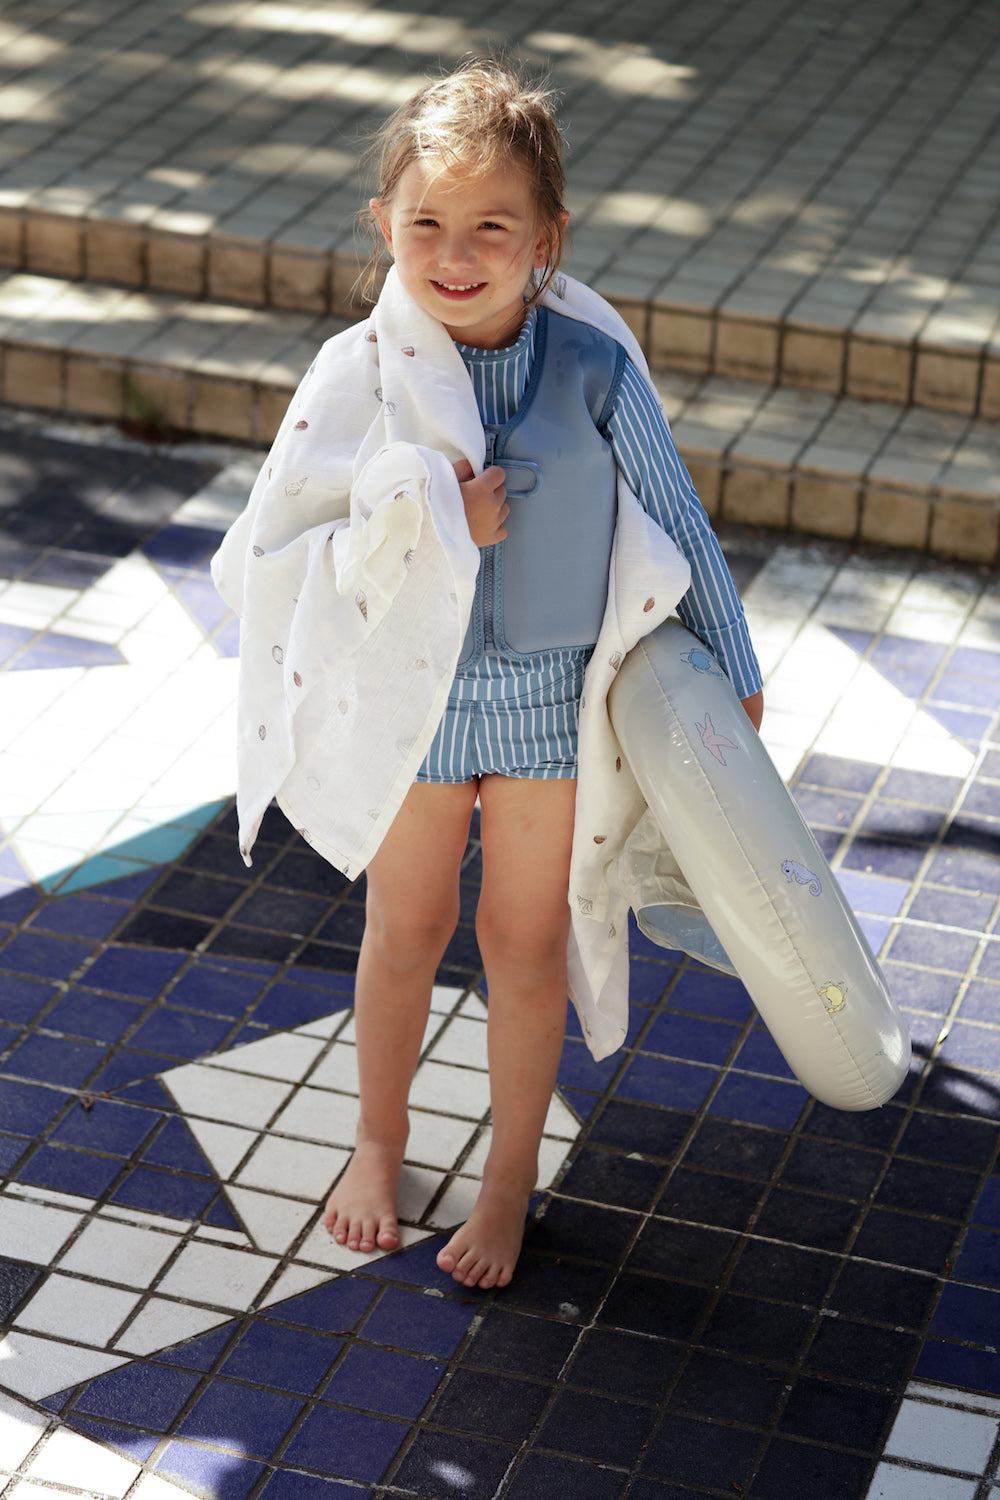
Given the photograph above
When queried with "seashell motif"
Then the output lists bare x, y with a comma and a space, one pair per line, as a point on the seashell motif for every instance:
294, 486
600, 838
408, 349
312, 782
618, 762
362, 603
372, 336
418, 663
408, 557
390, 408
278, 654
378, 393
373, 814
296, 678
559, 286
585, 904
612, 931
257, 551
269, 473
262, 731
616, 660
453, 597
406, 743
301, 426
648, 605
343, 705
303, 833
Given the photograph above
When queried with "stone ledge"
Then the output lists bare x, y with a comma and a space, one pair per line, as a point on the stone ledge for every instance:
865, 357
804, 461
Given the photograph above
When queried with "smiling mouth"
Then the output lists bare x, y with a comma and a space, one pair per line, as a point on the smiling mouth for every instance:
457, 289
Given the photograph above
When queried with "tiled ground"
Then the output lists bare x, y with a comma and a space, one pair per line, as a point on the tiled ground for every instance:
727, 1288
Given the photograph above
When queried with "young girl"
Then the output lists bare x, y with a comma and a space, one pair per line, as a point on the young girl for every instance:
470, 207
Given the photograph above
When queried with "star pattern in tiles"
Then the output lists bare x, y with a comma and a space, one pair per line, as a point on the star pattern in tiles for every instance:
275, 1120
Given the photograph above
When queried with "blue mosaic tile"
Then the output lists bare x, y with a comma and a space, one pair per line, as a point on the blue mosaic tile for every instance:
623, 1364
335, 1307
969, 1369
46, 957
902, 821
345, 1443
396, 1385
872, 894
987, 1206
648, 978
227, 992
51, 1060
836, 771
180, 546
759, 1101
825, 1411
145, 1394
876, 930
58, 650
288, 1358
647, 1305
760, 1053
582, 1104
251, 1422
952, 908
221, 1216
80, 916
421, 1324
150, 1091
27, 1108
967, 1313
880, 857
22, 999
540, 1477
17, 901
131, 886
606, 1177
700, 1453
884, 1294
577, 1067
972, 1046
202, 602
17, 1279
220, 1476
963, 724
687, 1037
175, 1146
730, 1391
164, 1193
12, 1148
178, 1034
128, 1067
290, 1005
592, 1427
227, 639
69, 1171
800, 1468
919, 989
83, 1013
954, 1089
989, 963
831, 809
934, 948
655, 1080
449, 1466
286, 1485
923, 788
708, 993
979, 1257
199, 1353
133, 971
638, 1128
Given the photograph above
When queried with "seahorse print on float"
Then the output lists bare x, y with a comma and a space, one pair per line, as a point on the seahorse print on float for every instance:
792, 870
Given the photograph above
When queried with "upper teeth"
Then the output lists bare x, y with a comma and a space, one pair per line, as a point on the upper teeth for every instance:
455, 287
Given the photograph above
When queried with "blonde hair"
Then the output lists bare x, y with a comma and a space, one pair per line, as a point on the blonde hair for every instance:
482, 115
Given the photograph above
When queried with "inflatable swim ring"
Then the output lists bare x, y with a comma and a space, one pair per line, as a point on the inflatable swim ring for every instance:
755, 894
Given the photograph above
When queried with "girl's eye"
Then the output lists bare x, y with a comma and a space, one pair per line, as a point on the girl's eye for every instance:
422, 222
490, 225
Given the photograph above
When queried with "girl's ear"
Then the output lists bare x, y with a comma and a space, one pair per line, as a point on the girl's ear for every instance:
382, 220
544, 247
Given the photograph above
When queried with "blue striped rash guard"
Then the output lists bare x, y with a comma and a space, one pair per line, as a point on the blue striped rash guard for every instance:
645, 453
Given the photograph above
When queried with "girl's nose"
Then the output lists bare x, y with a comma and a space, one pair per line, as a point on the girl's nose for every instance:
456, 252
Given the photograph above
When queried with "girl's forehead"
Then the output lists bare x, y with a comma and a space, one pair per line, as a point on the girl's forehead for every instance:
426, 183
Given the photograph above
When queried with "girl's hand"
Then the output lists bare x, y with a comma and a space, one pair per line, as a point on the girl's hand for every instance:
754, 706
485, 500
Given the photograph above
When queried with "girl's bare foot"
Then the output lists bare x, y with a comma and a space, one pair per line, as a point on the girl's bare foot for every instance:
484, 1251
361, 1211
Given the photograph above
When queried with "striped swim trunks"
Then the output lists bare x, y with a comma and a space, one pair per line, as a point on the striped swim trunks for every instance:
515, 723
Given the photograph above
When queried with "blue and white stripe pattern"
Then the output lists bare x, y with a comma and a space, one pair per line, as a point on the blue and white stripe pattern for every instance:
522, 719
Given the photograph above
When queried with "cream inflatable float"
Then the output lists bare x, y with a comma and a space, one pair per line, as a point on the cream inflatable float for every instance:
751, 891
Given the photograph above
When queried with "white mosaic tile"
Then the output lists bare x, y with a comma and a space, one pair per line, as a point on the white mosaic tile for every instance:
224, 1145
296, 1167
221, 1277
20, 1430
286, 1056
215, 1094
130, 1255
69, 1458
315, 1114
436, 1140
461, 1042
939, 1435
161, 1323
68, 1307
30, 1231
274, 1223
893, 1482
467, 1090
36, 1367
338, 1070
417, 1186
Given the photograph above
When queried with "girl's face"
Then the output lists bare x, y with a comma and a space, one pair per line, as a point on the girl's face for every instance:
464, 247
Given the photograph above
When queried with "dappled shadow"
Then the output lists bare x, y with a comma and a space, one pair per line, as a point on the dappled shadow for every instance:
800, 155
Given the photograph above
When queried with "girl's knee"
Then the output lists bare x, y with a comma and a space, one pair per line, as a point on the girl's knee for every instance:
518, 942
404, 939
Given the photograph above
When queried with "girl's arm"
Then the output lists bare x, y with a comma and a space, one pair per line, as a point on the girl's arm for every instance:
644, 451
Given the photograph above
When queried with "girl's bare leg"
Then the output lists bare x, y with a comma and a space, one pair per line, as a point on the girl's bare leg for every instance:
523, 926
411, 911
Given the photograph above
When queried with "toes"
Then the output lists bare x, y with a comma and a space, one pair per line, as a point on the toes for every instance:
505, 1277
478, 1269
368, 1234
446, 1260
388, 1234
